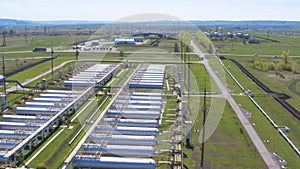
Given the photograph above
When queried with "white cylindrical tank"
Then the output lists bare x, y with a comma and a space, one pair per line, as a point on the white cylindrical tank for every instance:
120, 130
34, 110
50, 100
17, 126
131, 122
4, 144
86, 161
139, 107
20, 118
134, 114
123, 139
119, 150
13, 134
39, 104
58, 96
59, 92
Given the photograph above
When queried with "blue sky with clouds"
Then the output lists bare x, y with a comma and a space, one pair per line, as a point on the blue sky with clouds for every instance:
104, 10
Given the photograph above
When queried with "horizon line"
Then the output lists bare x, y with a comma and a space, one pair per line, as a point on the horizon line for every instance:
88, 20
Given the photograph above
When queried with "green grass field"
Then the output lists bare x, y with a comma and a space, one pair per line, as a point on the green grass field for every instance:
200, 75
270, 79
275, 111
21, 43
267, 132
265, 47
32, 72
228, 147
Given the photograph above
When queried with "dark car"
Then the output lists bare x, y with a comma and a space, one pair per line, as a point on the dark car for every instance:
39, 50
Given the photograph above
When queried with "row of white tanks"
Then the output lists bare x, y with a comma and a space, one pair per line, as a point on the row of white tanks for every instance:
16, 127
126, 136
90, 76
148, 76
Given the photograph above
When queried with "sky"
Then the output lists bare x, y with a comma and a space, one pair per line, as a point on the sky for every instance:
113, 10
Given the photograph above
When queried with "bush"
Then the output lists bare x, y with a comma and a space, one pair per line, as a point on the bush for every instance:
266, 66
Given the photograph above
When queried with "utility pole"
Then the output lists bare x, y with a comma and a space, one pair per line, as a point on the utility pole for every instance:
181, 53
204, 110
189, 82
52, 63
4, 38
3, 71
3, 97
77, 52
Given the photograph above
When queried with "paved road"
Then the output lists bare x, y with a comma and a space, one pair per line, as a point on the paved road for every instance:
261, 148
27, 81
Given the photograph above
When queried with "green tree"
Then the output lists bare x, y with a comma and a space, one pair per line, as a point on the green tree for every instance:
279, 66
185, 37
294, 68
285, 55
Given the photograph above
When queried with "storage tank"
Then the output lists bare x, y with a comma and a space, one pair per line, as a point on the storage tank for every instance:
141, 80
57, 100
20, 118
121, 130
48, 105
86, 161
146, 98
139, 107
39, 104
131, 122
118, 150
34, 110
85, 77
146, 85
59, 92
10, 134
154, 78
134, 114
123, 139
18, 126
143, 102
57, 96
6, 144
78, 83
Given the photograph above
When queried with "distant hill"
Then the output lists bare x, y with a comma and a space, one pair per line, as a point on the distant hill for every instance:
232, 24
267, 24
15, 22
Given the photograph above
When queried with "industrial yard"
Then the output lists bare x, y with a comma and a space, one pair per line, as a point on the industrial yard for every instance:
147, 95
